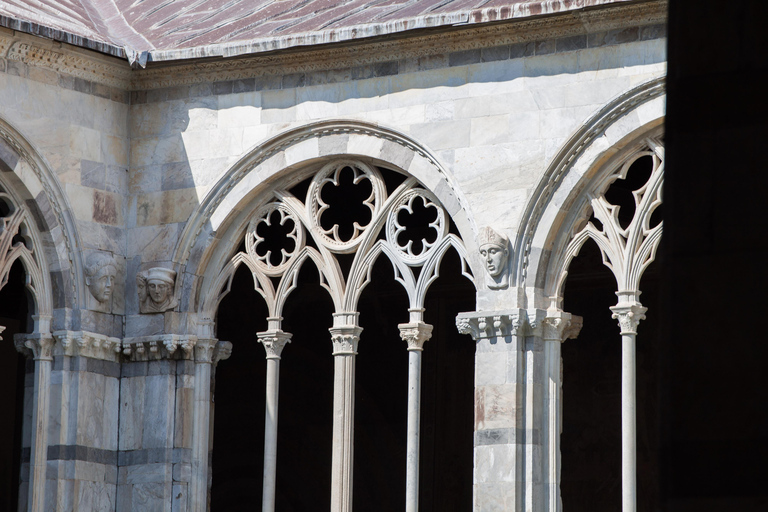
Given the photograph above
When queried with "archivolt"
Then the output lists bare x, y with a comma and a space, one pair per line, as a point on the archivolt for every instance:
30, 183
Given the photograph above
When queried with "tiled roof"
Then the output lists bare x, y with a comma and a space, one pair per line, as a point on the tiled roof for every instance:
177, 29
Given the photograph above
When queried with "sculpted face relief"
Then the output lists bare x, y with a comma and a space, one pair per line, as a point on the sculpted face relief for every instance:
495, 253
100, 273
155, 290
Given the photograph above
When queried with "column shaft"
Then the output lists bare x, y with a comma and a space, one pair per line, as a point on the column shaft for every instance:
628, 425
414, 426
343, 432
39, 448
270, 435
201, 426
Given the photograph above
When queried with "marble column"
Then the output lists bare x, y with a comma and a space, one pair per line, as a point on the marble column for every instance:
208, 351
557, 327
628, 312
274, 340
415, 334
501, 437
345, 335
40, 346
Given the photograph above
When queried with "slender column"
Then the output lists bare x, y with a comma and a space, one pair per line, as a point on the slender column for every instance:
345, 335
273, 340
629, 313
415, 333
41, 347
557, 327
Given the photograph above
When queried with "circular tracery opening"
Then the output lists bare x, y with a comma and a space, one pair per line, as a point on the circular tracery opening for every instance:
346, 200
418, 226
277, 239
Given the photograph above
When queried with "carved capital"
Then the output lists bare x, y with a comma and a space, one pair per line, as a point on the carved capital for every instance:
204, 350
345, 339
560, 326
629, 316
274, 341
415, 334
222, 351
491, 324
2, 328
37, 346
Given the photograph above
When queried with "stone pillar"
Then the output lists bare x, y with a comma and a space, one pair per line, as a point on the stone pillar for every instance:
501, 437
415, 333
628, 312
557, 326
345, 335
274, 340
40, 347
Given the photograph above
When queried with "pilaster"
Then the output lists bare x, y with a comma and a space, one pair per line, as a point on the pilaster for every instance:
500, 434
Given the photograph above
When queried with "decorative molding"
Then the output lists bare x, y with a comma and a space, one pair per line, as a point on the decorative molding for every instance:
492, 324
162, 346
629, 316
274, 341
65, 59
38, 346
415, 334
361, 53
87, 344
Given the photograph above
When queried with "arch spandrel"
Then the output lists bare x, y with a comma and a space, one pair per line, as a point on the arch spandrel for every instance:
207, 241
558, 202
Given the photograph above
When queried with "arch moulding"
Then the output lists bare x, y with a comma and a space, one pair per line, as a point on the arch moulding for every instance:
213, 230
558, 201
33, 186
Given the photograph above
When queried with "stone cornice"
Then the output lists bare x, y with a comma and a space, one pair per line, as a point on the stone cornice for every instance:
361, 54
163, 346
490, 324
66, 59
106, 70
87, 344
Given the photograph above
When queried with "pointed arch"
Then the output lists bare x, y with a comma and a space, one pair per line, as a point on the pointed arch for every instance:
560, 202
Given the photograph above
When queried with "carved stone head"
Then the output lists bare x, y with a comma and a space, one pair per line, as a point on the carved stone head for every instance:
494, 248
100, 273
155, 290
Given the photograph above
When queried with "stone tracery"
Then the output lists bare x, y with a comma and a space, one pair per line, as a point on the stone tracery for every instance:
407, 224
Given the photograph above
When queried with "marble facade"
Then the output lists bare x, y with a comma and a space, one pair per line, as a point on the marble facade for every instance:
136, 185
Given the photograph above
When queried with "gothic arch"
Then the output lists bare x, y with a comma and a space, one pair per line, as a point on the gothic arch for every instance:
207, 243
30, 184
560, 200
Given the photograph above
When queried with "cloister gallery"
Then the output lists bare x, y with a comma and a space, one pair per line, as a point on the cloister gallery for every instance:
377, 255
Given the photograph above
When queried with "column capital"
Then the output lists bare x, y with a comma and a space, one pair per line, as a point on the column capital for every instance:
221, 351
38, 345
629, 316
490, 324
204, 349
345, 339
560, 326
274, 340
415, 334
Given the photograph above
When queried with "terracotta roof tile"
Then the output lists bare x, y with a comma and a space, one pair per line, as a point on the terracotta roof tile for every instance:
170, 29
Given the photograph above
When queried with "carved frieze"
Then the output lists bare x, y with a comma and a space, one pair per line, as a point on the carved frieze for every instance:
492, 324
162, 346
87, 344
